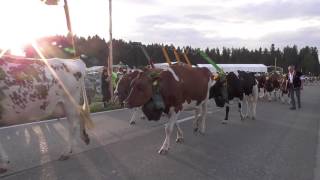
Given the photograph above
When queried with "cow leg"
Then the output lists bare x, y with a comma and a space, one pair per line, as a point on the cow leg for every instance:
83, 133
168, 130
261, 93
254, 108
227, 115
240, 109
179, 133
196, 120
133, 117
278, 94
282, 98
254, 101
288, 99
269, 96
72, 117
4, 160
203, 117
248, 101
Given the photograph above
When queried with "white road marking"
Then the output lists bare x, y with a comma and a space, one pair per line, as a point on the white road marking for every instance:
97, 113
56, 119
192, 117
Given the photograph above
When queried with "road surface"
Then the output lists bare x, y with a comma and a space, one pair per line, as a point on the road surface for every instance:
280, 144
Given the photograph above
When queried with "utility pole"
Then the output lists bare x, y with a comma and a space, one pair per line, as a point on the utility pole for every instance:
110, 58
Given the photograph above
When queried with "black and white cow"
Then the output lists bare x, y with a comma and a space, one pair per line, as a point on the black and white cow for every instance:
243, 86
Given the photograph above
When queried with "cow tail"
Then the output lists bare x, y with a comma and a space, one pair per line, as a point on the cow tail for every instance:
85, 109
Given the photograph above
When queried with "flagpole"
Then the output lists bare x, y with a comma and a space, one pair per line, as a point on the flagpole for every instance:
275, 64
110, 58
70, 33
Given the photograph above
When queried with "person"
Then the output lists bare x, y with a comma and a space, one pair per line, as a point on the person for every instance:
105, 86
295, 86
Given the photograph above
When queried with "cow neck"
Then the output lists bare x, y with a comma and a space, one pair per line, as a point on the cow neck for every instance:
155, 83
226, 86
157, 98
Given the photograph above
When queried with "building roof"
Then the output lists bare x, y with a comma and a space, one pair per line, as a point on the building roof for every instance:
227, 67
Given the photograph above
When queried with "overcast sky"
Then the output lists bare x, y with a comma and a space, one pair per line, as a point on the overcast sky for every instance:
199, 23
231, 23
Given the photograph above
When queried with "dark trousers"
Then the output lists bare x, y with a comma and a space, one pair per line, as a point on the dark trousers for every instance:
296, 91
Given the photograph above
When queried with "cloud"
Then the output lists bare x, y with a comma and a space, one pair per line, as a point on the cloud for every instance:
230, 23
150, 2
275, 10
157, 19
303, 37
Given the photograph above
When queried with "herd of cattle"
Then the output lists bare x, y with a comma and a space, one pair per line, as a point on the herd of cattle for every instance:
33, 89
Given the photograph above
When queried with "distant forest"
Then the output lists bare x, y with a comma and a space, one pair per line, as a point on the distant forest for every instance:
95, 50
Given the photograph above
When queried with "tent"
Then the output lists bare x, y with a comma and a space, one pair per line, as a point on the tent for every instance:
261, 68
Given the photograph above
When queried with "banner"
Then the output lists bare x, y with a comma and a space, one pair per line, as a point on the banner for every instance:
209, 60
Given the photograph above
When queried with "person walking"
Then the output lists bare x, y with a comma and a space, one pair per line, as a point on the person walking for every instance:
105, 86
294, 85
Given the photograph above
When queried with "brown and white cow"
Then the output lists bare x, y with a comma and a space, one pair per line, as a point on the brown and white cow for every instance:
261, 78
31, 91
123, 89
179, 87
272, 86
284, 90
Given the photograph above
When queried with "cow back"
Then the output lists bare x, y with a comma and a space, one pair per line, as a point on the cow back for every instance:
192, 85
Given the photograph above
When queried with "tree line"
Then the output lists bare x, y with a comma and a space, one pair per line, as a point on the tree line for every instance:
94, 51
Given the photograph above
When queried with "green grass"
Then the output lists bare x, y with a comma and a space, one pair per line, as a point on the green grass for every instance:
98, 107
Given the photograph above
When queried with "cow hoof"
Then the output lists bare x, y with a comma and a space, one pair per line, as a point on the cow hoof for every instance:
132, 123
224, 122
142, 117
86, 138
253, 118
3, 170
179, 140
202, 133
163, 151
63, 157
195, 130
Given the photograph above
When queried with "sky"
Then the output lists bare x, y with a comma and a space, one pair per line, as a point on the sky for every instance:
199, 23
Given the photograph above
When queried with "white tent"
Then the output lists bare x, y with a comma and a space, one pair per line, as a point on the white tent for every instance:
235, 67
227, 67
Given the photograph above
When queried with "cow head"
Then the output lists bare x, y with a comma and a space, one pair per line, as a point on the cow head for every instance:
123, 87
219, 91
142, 89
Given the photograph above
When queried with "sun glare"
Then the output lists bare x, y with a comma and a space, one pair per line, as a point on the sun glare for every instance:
24, 21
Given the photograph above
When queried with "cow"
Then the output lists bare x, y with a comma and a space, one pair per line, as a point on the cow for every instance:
176, 88
272, 86
123, 89
284, 90
241, 87
34, 89
261, 85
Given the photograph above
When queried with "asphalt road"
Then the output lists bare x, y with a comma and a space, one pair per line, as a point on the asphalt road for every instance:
280, 144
